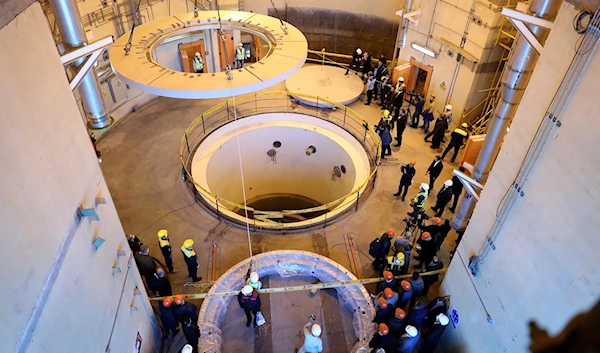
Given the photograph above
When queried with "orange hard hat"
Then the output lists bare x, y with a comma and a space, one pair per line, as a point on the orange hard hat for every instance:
437, 220
400, 314
382, 303
391, 232
167, 301
426, 236
388, 275
384, 329
433, 95
413, 162
179, 299
406, 285
388, 293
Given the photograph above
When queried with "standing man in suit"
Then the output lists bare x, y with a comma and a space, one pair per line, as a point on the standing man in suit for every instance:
434, 170
380, 71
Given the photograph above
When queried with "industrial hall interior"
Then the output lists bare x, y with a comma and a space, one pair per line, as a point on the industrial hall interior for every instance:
302, 176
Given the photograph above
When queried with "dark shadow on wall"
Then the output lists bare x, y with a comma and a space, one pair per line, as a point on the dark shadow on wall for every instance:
341, 31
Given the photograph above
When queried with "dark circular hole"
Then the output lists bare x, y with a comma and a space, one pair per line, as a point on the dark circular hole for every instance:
343, 168
276, 144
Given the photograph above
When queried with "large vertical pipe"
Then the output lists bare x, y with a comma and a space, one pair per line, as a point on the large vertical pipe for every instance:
402, 32
71, 30
515, 78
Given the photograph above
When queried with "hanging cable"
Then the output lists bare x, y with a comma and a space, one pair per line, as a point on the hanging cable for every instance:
128, 45
195, 8
283, 25
222, 35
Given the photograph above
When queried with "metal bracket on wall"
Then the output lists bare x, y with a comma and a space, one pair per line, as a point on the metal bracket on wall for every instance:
518, 19
88, 212
469, 183
410, 16
92, 52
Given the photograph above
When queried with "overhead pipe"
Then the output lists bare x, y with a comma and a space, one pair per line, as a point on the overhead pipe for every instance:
515, 78
71, 30
402, 31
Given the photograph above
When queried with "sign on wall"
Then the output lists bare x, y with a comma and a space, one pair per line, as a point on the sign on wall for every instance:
443, 86
454, 318
137, 348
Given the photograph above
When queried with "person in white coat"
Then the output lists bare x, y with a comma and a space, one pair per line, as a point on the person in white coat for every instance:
312, 342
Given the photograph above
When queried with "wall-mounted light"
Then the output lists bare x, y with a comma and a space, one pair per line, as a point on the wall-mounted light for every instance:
423, 50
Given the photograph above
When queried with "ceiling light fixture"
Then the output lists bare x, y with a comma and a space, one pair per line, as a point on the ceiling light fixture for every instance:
423, 50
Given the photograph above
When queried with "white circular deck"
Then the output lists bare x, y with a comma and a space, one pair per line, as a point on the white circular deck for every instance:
286, 54
329, 82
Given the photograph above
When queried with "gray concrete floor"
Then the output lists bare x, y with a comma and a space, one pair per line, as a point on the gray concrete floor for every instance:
142, 168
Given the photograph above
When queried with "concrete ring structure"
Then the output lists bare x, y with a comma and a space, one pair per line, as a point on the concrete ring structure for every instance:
325, 81
286, 263
286, 54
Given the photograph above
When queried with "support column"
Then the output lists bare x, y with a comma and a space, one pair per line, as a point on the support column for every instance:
402, 32
71, 30
515, 78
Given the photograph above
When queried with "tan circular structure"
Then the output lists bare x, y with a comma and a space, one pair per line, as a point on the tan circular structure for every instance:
329, 82
285, 55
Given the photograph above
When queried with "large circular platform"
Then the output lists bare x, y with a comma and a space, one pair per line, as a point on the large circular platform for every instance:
287, 53
329, 82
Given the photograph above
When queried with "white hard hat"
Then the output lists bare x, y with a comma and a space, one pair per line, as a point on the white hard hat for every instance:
241, 44
448, 107
411, 331
187, 349
425, 187
448, 183
253, 277
247, 290
442, 319
197, 54
401, 79
359, 51
316, 330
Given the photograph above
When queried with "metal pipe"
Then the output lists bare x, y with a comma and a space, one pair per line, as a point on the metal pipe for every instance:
69, 24
402, 32
515, 78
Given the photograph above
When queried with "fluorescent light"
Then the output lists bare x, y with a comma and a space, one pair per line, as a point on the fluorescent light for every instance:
423, 50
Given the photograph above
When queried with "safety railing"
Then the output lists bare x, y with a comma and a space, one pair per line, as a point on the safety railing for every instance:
277, 102
322, 57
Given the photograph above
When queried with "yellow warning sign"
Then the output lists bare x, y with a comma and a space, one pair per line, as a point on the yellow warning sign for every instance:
443, 85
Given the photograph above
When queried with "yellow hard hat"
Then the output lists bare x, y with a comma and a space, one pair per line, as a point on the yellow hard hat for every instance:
386, 112
464, 125
162, 233
188, 243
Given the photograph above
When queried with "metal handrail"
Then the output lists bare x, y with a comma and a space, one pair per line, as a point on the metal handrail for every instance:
253, 104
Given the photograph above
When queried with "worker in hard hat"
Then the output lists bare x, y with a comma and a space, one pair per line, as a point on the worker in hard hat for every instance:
249, 300
428, 111
434, 265
312, 340
167, 317
406, 251
134, 243
240, 55
388, 282
198, 63
405, 294
144, 261
182, 309
443, 198
447, 114
395, 263
355, 63
437, 133
386, 140
165, 248
191, 259
408, 172
159, 284
380, 247
397, 323
457, 138
187, 349
408, 341
434, 170
419, 200
399, 92
383, 311
419, 103
431, 335
383, 339
253, 281
433, 227
426, 249
389, 295
191, 333
434, 308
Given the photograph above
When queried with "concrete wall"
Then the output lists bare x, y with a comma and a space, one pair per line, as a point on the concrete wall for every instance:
55, 284
545, 267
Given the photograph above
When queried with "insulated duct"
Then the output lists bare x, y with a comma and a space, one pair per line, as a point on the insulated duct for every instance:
71, 30
515, 78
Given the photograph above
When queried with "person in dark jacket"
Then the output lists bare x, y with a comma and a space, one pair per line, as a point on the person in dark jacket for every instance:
417, 287
191, 333
167, 317
409, 340
419, 104
249, 300
355, 63
380, 72
405, 294
385, 244
366, 61
431, 335
386, 141
134, 243
384, 311
165, 248
457, 138
408, 172
145, 262
400, 126
407, 250
434, 228
443, 197
434, 308
434, 170
416, 316
427, 251
159, 284
388, 282
444, 230
183, 309
398, 99
457, 187
428, 280
383, 339
398, 323
191, 259
439, 129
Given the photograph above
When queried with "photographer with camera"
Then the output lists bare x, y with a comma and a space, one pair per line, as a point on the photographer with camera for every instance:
408, 172
426, 249
312, 341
